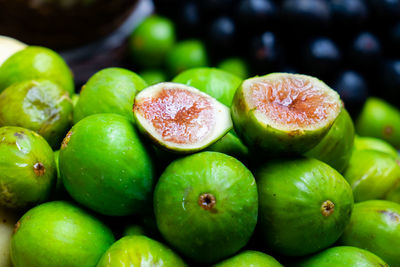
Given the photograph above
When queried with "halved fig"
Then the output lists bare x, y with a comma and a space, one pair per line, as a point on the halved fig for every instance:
180, 118
284, 113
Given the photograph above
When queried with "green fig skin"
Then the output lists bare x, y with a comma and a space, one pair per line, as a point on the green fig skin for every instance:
371, 143
231, 145
380, 120
139, 251
110, 90
264, 140
36, 62
375, 226
134, 229
217, 83
39, 105
343, 256
337, 145
186, 55
105, 166
27, 168
59, 234
151, 41
295, 205
236, 66
206, 206
75, 99
153, 76
372, 174
250, 258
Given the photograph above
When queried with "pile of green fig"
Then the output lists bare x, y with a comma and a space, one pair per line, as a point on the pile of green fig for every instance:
207, 169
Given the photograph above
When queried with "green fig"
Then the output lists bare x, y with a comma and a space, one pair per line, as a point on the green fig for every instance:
283, 113
343, 256
180, 118
186, 55
217, 83
139, 250
105, 166
372, 174
27, 168
150, 42
250, 258
8, 47
304, 205
371, 143
110, 90
381, 120
206, 206
36, 62
236, 66
375, 226
337, 145
39, 105
231, 145
153, 77
59, 234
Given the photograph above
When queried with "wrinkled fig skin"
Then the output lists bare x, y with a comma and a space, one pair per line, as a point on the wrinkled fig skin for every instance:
265, 141
27, 168
217, 83
250, 258
36, 62
375, 226
106, 146
8, 219
371, 143
139, 251
380, 120
343, 256
336, 147
39, 105
293, 219
372, 174
206, 206
110, 90
59, 234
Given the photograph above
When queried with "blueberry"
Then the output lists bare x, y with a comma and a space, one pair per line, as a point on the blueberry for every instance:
190, 20
366, 51
385, 9
349, 13
222, 34
352, 89
264, 52
390, 79
256, 13
321, 57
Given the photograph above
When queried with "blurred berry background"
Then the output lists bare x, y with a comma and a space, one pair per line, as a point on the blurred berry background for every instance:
352, 45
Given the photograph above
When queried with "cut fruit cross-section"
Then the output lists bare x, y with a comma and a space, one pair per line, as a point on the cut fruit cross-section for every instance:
284, 113
180, 118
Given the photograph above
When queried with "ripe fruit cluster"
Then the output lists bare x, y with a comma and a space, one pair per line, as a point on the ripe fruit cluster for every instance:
208, 169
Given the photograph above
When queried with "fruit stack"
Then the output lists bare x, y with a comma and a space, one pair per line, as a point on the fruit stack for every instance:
350, 44
208, 169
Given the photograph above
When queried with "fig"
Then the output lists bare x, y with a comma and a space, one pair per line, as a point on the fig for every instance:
151, 41
337, 145
250, 258
231, 145
375, 226
153, 77
75, 99
110, 90
27, 168
139, 250
343, 256
304, 205
236, 66
59, 234
206, 206
134, 229
186, 55
284, 113
105, 167
380, 120
38, 105
7, 220
180, 118
36, 62
372, 174
371, 143
8, 47
217, 83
